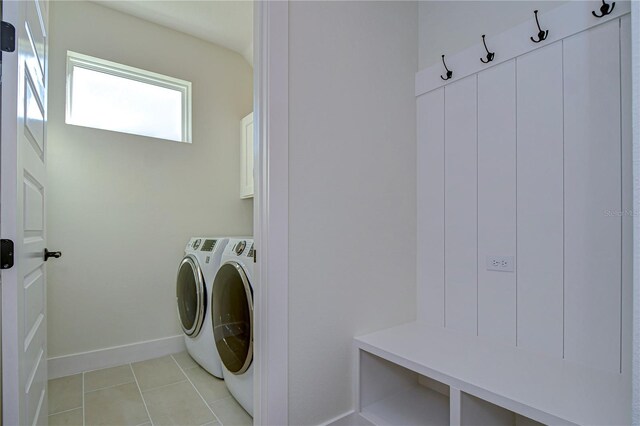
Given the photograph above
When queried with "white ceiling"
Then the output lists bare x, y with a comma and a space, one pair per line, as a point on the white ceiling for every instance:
226, 23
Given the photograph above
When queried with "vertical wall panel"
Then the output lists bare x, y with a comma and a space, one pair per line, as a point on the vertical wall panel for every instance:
461, 279
497, 200
592, 197
627, 192
430, 203
540, 200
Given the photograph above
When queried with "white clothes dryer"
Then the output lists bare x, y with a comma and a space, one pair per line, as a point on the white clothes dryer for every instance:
194, 283
232, 318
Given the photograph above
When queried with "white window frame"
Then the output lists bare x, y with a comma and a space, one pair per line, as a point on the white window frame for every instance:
79, 60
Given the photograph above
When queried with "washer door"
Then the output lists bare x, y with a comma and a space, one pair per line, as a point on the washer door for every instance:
232, 317
191, 295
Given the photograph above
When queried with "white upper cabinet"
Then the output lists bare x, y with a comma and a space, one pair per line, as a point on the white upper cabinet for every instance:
246, 157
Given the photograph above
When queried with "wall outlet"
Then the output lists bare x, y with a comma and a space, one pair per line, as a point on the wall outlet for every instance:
500, 263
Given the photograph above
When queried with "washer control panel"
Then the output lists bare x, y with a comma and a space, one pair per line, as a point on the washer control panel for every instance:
203, 244
208, 245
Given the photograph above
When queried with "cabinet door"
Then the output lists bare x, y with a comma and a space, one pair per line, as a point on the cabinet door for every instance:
246, 157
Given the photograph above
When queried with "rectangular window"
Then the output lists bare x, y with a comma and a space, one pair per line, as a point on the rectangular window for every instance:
110, 96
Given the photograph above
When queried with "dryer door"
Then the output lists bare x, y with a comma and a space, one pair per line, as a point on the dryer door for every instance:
190, 294
232, 317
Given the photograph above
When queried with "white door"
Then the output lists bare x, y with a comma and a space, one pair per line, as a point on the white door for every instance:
22, 214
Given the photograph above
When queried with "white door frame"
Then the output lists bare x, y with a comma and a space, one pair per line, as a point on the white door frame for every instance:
271, 210
635, 65
271, 126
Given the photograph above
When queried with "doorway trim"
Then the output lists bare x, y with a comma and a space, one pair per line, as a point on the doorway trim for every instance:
635, 74
271, 211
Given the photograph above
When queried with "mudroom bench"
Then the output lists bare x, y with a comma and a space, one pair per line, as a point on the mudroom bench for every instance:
415, 374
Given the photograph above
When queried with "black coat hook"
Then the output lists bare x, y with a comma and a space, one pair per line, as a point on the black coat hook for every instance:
490, 55
449, 72
604, 9
542, 35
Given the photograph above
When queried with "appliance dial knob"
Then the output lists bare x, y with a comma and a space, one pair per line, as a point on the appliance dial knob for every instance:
240, 247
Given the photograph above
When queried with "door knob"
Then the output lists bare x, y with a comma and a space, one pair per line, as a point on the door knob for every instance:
54, 254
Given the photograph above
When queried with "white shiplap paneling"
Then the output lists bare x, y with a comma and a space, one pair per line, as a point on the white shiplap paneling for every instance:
461, 278
540, 200
497, 200
430, 204
592, 197
572, 184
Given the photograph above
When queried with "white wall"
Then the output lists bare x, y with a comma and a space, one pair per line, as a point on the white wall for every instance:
122, 207
352, 178
447, 27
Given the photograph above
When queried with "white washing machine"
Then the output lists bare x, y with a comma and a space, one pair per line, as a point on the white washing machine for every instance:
232, 316
194, 285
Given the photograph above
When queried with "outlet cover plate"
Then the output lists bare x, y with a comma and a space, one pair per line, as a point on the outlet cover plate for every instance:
501, 263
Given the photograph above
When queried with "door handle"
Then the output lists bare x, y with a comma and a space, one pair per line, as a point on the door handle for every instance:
6, 254
54, 254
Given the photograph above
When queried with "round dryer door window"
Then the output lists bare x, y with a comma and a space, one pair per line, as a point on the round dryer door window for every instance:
190, 293
232, 317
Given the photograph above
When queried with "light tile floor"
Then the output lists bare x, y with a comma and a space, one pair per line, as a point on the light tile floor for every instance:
171, 390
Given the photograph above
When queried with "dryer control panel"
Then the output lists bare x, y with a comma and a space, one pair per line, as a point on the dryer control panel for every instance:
240, 247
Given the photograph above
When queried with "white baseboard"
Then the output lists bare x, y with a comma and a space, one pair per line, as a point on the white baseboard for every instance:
350, 418
117, 355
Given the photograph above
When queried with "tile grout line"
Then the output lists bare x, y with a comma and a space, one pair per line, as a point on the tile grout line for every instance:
165, 386
141, 395
63, 411
107, 387
108, 367
197, 391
